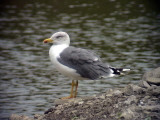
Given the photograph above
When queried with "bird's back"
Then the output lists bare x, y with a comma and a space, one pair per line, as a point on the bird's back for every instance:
85, 62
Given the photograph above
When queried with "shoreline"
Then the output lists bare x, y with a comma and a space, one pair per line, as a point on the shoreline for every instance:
133, 102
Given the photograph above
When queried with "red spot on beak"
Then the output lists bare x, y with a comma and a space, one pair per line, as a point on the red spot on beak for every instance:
45, 41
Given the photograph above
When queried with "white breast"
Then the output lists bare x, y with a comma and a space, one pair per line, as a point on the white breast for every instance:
54, 53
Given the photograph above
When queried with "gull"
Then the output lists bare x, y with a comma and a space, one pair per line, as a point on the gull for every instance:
77, 63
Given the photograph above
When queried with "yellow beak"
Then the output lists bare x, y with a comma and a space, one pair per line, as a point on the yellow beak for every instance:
48, 41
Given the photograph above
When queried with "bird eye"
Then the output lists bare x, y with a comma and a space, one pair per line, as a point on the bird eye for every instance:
59, 36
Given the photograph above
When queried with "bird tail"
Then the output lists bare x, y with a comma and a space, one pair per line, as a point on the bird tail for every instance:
118, 71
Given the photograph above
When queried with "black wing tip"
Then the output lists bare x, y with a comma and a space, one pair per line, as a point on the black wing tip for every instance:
118, 71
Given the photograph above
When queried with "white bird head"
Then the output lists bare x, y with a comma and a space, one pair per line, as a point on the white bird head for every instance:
58, 38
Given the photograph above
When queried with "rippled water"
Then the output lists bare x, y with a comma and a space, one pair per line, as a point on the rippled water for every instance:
123, 33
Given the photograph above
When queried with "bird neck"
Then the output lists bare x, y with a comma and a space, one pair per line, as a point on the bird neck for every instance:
57, 49
60, 46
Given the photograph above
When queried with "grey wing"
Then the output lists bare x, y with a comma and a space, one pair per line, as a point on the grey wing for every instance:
84, 62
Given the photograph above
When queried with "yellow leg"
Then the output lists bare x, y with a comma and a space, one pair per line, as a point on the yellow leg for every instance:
72, 91
75, 94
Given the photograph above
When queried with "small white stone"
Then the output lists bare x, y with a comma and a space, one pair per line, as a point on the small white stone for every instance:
80, 103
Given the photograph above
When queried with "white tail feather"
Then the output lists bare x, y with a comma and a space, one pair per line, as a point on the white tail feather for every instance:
126, 69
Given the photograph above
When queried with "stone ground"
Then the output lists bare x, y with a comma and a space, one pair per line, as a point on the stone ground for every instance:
134, 102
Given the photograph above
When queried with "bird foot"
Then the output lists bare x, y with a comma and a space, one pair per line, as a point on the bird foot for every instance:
68, 97
73, 93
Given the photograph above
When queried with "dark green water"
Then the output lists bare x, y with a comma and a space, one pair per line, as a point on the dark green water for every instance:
124, 33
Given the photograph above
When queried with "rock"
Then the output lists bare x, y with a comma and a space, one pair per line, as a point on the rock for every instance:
153, 108
19, 117
133, 102
144, 84
152, 77
127, 114
131, 99
154, 90
39, 117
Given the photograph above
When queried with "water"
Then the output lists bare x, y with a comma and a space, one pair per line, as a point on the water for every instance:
123, 33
